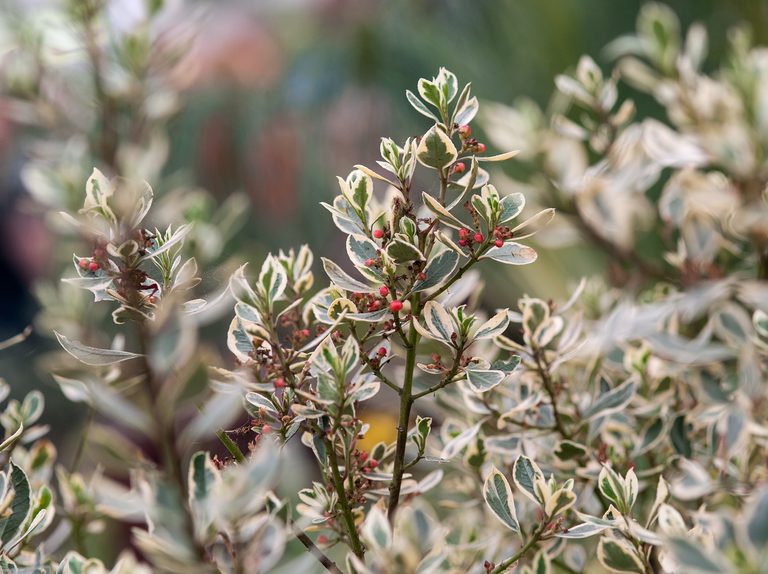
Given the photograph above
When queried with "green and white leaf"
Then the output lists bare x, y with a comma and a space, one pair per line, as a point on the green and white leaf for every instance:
401, 251
498, 496
692, 558
440, 267
467, 112
512, 205
91, 355
483, 380
14, 517
459, 442
441, 212
534, 224
437, 322
584, 530
612, 401
494, 326
618, 555
524, 473
499, 157
559, 502
511, 253
341, 279
436, 150
376, 529
419, 106
612, 487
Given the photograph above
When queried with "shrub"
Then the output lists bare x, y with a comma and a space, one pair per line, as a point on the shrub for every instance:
622, 430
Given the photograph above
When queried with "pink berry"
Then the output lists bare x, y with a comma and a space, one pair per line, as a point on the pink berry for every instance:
383, 290
499, 243
396, 306
382, 352
280, 383
481, 148
463, 233
378, 233
465, 131
373, 463
83, 263
368, 262
478, 237
459, 168
463, 242
93, 266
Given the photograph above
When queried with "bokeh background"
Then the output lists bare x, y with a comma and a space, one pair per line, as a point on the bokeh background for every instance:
286, 94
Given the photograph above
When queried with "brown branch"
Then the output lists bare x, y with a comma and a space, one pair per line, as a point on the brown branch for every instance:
327, 563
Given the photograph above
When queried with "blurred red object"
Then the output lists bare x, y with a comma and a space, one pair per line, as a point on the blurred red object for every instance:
235, 48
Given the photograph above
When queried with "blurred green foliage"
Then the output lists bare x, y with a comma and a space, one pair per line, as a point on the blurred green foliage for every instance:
303, 124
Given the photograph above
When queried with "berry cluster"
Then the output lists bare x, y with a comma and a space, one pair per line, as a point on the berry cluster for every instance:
469, 144
368, 302
97, 261
466, 237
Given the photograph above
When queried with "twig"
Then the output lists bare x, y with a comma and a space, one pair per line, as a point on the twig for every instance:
406, 402
231, 446
549, 386
535, 536
349, 519
329, 564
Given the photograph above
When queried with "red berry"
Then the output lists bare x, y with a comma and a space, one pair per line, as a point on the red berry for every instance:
93, 266
382, 352
378, 233
481, 148
396, 306
83, 263
280, 383
499, 243
463, 242
478, 237
363, 456
463, 233
383, 290
375, 305
459, 167
465, 131
368, 262
421, 276
305, 333
373, 463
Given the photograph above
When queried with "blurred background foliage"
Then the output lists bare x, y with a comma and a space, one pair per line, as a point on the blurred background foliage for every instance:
284, 95
297, 92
